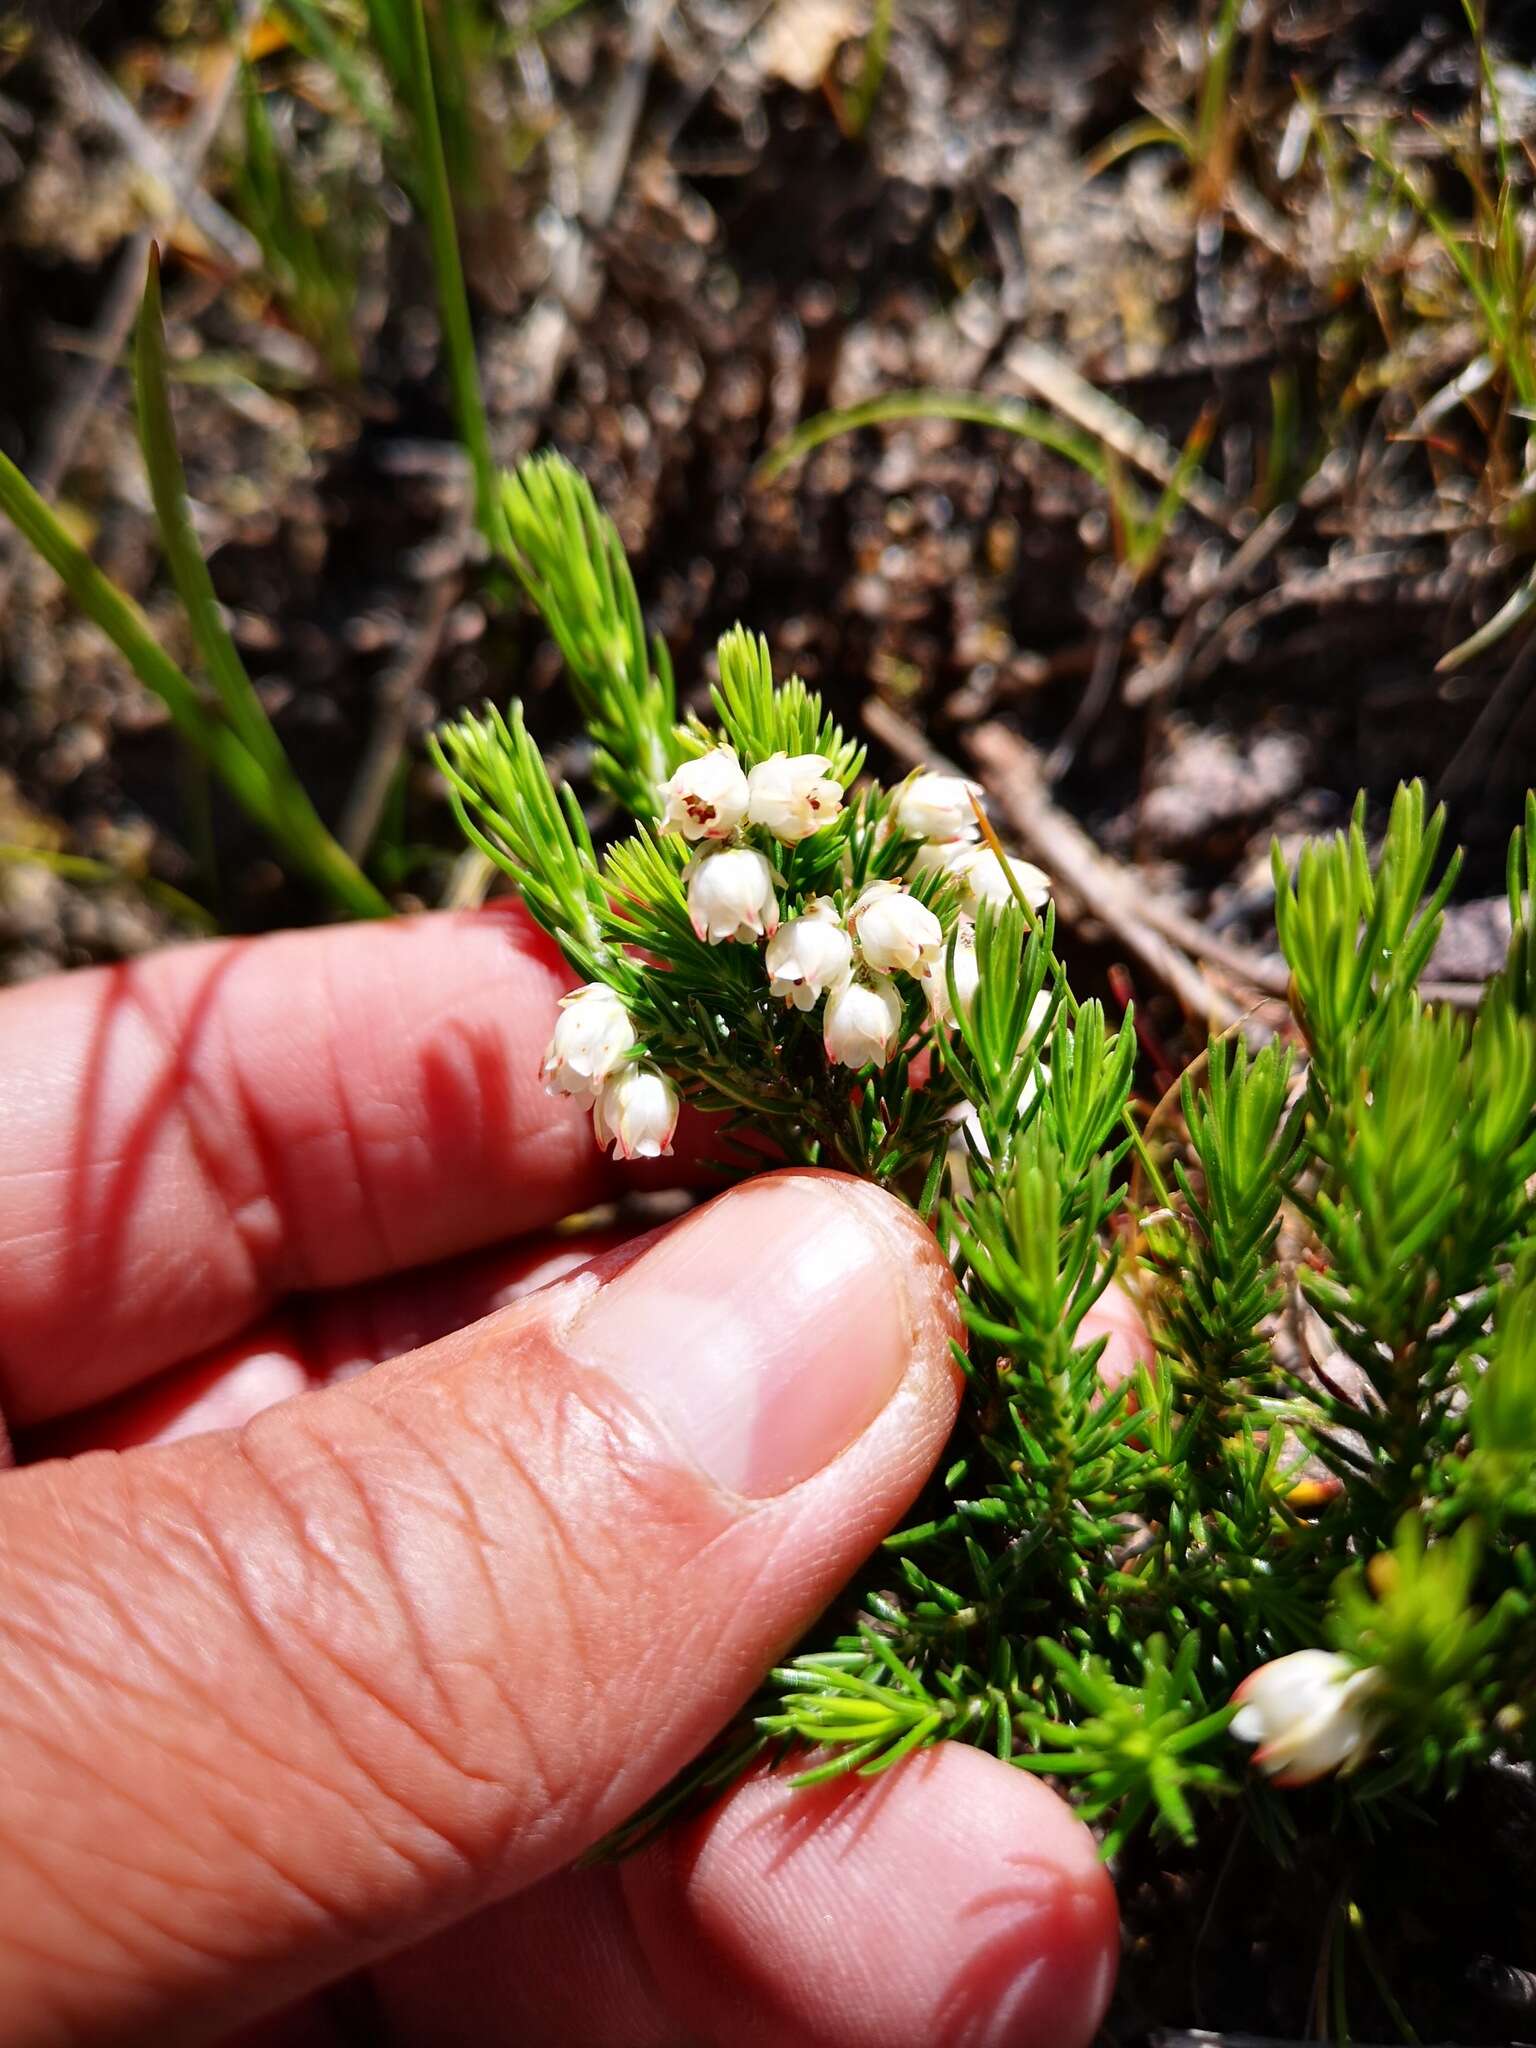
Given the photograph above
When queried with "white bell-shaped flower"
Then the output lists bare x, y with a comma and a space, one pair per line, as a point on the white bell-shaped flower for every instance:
592, 1035
636, 1113
941, 856
936, 807
985, 879
893, 930
792, 796
861, 1023
706, 798
730, 896
967, 975
809, 955
1309, 1713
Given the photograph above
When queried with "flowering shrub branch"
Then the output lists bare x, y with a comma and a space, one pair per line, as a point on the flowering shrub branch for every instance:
1334, 1531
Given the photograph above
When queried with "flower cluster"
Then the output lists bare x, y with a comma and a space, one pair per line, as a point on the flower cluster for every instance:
849, 956
634, 1107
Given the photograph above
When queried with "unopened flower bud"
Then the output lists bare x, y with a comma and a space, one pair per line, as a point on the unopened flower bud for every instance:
636, 1113
706, 798
730, 896
936, 807
861, 1024
809, 955
893, 930
1310, 1714
792, 796
967, 976
592, 1035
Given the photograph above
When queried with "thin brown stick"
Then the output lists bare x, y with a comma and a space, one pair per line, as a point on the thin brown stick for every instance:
1117, 894
1015, 776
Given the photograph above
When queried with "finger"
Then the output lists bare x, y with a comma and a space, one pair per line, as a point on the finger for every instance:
1127, 1344
315, 1342
1003, 1928
279, 1701
191, 1136
955, 1904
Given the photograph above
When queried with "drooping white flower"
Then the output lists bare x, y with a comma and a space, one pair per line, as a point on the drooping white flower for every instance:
706, 798
792, 795
1310, 1714
936, 807
592, 1035
809, 955
893, 930
730, 896
941, 856
861, 1023
636, 1113
967, 976
967, 1125
985, 879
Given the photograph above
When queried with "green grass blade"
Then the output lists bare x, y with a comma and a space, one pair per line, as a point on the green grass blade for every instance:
1011, 415
129, 631
184, 557
436, 198
312, 30
289, 815
877, 48
1504, 620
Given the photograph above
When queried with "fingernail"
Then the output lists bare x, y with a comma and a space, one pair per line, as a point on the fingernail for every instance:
765, 1333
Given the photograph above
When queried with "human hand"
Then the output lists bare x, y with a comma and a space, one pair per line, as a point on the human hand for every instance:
334, 1693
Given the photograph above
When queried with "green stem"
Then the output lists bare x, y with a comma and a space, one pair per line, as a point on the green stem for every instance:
127, 628
452, 297
298, 826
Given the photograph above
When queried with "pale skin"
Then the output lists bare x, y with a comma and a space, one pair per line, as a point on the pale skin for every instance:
313, 1676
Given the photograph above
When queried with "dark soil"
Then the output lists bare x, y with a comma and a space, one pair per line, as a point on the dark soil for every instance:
763, 263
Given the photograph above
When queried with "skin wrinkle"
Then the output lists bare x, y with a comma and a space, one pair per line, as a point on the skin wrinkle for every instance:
381, 1544
556, 1793
424, 1868
324, 1723
267, 1758
182, 1881
295, 1668
482, 1544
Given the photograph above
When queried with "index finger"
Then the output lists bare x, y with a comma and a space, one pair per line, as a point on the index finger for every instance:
190, 1136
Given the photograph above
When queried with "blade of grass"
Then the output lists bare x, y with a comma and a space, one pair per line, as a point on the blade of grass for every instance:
877, 48
129, 631
1504, 620
436, 198
297, 824
1148, 131
1147, 541
313, 32
1010, 415
1213, 110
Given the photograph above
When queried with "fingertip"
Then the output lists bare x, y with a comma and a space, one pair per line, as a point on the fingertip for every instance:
955, 1901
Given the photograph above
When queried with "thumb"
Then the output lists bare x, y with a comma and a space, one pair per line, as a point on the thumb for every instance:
278, 1702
